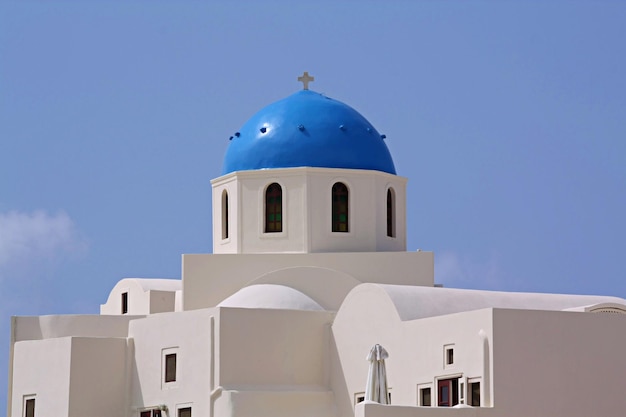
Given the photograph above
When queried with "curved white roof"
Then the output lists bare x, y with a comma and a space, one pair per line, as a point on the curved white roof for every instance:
419, 302
156, 284
271, 296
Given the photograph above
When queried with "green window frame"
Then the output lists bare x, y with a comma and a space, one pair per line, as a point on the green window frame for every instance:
273, 208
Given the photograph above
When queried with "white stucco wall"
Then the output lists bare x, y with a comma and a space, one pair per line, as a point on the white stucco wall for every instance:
144, 296
307, 211
56, 326
42, 368
559, 363
70, 376
209, 279
379, 410
416, 348
528, 362
190, 336
264, 348
98, 378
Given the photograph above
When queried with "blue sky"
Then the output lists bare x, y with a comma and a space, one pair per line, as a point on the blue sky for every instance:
508, 118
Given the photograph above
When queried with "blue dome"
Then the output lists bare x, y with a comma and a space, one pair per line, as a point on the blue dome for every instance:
307, 129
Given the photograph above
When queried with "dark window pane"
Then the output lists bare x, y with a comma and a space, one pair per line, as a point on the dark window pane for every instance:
273, 208
449, 356
124, 302
170, 367
224, 215
474, 394
340, 208
390, 214
184, 412
425, 397
30, 408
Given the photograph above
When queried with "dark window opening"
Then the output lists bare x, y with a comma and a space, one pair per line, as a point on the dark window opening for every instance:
150, 413
273, 209
474, 394
170, 367
360, 398
391, 215
340, 208
184, 412
224, 215
449, 356
124, 302
29, 408
425, 397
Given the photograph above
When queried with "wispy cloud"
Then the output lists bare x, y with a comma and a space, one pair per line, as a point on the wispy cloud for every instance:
454, 270
36, 236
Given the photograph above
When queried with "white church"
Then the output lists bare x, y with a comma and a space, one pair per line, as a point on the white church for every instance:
310, 270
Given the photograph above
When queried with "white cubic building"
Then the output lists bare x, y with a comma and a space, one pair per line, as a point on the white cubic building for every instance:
310, 270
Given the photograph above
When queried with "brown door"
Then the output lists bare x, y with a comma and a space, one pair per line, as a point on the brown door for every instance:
447, 392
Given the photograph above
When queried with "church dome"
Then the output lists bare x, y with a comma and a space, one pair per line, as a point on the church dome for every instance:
307, 129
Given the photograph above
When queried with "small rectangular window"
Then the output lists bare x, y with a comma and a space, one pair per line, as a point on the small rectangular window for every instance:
425, 397
170, 367
448, 355
29, 407
124, 302
184, 412
146, 414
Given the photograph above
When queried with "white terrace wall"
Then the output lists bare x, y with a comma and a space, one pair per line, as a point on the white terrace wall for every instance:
379, 410
559, 363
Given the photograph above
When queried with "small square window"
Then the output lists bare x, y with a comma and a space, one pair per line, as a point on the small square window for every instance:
170, 367
124, 302
29, 407
184, 412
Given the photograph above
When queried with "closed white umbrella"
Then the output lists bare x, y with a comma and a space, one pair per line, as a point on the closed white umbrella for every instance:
376, 389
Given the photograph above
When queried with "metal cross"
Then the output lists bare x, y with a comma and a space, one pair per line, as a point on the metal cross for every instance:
306, 79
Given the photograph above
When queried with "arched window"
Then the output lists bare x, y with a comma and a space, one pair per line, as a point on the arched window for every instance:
273, 208
391, 212
340, 208
224, 214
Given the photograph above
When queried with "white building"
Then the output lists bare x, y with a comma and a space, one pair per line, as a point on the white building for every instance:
309, 271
